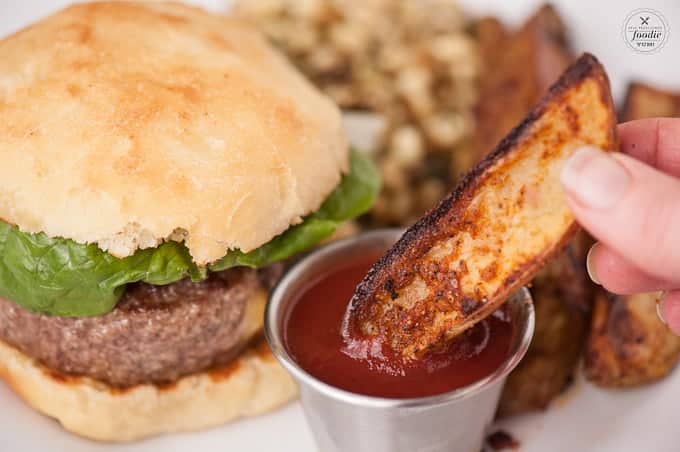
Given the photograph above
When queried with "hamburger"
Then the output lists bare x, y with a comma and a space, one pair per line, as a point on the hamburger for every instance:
158, 165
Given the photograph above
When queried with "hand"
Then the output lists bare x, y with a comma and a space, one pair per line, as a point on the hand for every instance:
630, 202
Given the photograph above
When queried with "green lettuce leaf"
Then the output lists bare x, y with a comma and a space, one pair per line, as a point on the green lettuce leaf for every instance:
57, 276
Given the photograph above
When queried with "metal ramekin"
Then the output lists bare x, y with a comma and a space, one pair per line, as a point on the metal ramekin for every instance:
342, 421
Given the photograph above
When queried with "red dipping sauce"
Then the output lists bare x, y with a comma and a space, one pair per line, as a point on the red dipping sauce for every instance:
312, 337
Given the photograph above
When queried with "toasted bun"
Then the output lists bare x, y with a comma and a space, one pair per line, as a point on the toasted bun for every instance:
155, 121
253, 384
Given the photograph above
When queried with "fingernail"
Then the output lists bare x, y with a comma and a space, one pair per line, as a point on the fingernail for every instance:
594, 178
589, 265
659, 307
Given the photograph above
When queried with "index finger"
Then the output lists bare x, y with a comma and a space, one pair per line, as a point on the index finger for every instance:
655, 141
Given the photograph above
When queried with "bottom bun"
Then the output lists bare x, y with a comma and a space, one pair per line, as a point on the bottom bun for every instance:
252, 384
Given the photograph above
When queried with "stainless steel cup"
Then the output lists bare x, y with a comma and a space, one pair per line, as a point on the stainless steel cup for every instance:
342, 421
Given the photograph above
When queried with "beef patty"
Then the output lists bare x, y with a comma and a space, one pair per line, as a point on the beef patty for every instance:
155, 334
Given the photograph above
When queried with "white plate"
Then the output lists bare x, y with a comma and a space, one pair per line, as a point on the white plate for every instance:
585, 419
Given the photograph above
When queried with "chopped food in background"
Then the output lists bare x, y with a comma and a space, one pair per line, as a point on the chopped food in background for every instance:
415, 62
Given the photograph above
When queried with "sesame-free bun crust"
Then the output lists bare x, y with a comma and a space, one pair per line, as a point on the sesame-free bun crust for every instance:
125, 124
253, 384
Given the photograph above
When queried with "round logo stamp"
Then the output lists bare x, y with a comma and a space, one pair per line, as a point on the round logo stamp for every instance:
645, 30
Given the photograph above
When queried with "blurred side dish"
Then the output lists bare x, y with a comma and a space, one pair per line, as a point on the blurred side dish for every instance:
449, 89
414, 62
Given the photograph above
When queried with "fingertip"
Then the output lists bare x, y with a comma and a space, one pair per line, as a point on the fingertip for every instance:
670, 310
613, 272
576, 163
594, 179
632, 209
590, 263
659, 312
654, 141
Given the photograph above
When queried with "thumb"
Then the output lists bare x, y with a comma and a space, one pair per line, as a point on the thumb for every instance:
630, 207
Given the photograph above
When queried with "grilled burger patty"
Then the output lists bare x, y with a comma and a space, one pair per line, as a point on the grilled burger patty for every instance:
156, 334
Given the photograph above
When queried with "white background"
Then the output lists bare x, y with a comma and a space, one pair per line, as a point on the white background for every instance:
585, 419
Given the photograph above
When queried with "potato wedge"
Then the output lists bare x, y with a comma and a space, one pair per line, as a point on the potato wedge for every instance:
646, 101
518, 68
493, 233
628, 344
561, 329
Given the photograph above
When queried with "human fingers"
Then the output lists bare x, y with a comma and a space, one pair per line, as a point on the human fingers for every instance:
655, 141
630, 207
607, 268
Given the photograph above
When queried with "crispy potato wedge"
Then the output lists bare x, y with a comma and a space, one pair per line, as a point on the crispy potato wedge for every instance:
644, 101
628, 344
518, 68
493, 233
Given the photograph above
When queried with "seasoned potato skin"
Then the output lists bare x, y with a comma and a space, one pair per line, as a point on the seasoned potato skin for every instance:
494, 232
518, 68
628, 344
645, 101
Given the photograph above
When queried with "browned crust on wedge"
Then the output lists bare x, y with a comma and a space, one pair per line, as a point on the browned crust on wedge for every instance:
628, 344
519, 68
646, 101
413, 298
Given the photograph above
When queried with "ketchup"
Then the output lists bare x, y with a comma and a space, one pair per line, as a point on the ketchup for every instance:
313, 339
